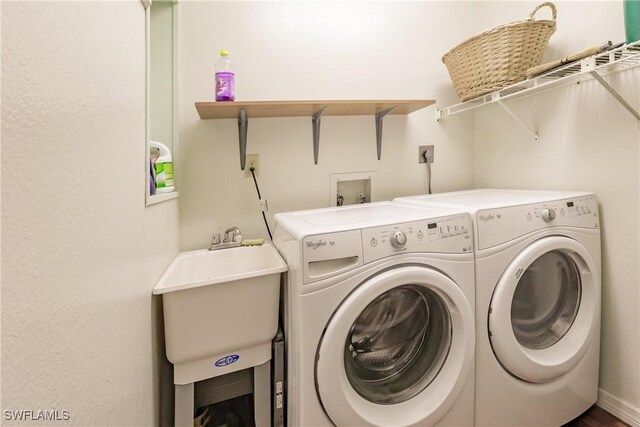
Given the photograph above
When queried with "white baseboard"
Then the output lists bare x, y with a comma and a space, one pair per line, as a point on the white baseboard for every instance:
624, 410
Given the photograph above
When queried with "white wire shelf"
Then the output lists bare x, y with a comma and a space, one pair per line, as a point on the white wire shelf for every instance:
593, 67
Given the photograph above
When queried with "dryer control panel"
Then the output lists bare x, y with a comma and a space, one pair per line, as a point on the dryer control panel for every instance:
441, 235
500, 225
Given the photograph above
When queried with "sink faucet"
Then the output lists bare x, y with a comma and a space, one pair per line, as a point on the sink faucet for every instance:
232, 239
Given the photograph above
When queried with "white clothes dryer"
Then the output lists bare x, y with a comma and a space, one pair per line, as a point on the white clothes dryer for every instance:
378, 316
537, 303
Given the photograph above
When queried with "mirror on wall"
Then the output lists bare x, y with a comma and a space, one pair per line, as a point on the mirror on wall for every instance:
162, 132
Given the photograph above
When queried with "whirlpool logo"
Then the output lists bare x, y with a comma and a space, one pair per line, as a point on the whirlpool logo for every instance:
227, 360
316, 244
486, 218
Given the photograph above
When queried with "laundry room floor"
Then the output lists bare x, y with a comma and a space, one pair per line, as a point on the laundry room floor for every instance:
596, 417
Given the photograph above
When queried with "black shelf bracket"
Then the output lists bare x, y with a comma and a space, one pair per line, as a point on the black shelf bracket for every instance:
315, 121
379, 117
243, 124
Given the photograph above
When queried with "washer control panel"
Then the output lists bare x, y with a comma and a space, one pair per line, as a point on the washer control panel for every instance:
496, 226
441, 235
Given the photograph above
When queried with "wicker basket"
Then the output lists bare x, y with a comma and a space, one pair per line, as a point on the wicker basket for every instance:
500, 56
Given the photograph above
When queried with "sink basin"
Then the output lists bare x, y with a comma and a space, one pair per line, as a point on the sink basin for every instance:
220, 310
204, 267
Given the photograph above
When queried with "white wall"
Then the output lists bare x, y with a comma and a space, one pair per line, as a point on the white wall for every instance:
589, 142
80, 252
314, 50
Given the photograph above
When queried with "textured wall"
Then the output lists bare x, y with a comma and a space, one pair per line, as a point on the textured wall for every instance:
80, 252
314, 50
589, 142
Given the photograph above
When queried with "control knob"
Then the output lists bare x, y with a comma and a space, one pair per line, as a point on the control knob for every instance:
398, 239
548, 214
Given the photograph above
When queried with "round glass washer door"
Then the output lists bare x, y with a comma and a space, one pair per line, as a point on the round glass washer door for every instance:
544, 309
398, 350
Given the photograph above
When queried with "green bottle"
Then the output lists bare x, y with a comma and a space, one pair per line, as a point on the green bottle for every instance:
632, 20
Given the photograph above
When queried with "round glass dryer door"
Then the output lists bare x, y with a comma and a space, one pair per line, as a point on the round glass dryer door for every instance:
544, 309
398, 344
397, 351
546, 300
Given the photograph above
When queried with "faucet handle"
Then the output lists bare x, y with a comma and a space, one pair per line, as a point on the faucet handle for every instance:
230, 234
215, 239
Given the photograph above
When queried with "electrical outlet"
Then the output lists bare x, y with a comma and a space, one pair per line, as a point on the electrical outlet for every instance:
252, 160
425, 153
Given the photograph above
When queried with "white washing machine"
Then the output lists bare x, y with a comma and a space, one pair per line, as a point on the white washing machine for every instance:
537, 303
378, 316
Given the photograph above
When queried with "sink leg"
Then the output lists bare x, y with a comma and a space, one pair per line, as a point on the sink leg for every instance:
184, 397
262, 394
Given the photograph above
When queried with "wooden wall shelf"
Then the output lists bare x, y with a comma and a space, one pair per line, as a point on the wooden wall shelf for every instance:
257, 109
314, 109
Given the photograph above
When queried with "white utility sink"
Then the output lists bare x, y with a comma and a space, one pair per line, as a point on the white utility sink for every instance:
220, 310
